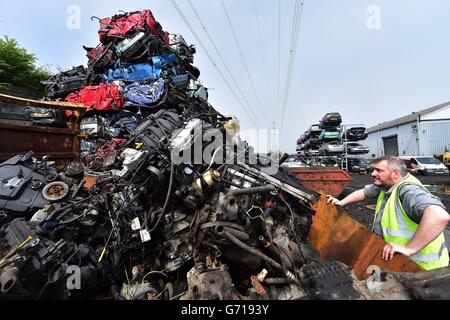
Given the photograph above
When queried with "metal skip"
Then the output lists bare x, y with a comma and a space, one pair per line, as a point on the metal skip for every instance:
338, 237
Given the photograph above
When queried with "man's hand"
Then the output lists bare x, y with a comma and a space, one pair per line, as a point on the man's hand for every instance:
334, 201
391, 248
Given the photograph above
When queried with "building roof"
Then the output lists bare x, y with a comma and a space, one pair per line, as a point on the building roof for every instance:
407, 119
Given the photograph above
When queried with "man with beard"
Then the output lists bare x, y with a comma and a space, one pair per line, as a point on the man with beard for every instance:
408, 217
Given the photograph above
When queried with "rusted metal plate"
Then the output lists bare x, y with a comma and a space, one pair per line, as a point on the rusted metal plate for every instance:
42, 104
338, 237
60, 144
322, 179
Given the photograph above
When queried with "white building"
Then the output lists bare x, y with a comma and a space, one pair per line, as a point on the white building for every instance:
422, 133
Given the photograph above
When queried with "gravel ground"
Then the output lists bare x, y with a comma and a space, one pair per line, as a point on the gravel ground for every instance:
363, 211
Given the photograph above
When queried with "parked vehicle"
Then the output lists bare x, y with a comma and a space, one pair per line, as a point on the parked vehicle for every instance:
330, 134
294, 162
331, 120
315, 128
301, 153
303, 137
426, 165
306, 135
358, 165
329, 162
314, 142
331, 148
355, 134
356, 148
60, 85
300, 147
315, 134
409, 166
312, 152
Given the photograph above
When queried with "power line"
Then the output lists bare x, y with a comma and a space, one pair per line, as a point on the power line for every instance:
298, 13
222, 59
292, 51
266, 78
211, 59
279, 58
242, 57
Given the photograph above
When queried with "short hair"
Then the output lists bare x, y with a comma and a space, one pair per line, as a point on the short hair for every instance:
393, 164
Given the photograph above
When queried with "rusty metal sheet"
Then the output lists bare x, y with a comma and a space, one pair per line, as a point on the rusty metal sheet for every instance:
338, 237
322, 179
42, 104
61, 144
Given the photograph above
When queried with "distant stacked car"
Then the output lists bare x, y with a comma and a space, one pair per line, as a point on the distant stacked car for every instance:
323, 138
328, 138
359, 165
350, 138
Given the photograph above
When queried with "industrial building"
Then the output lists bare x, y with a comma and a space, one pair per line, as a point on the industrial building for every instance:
422, 133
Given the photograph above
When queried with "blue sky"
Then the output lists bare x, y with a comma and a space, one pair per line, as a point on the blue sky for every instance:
367, 75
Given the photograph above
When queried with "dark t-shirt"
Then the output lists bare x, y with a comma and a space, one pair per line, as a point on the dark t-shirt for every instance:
413, 198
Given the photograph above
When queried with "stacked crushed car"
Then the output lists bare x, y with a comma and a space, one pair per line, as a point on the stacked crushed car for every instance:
323, 138
166, 202
332, 141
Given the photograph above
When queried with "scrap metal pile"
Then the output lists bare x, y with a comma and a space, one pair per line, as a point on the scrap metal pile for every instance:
166, 201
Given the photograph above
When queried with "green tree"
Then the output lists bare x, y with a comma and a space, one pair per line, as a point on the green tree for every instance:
18, 68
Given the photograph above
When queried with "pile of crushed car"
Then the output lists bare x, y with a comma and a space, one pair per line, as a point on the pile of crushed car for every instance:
166, 202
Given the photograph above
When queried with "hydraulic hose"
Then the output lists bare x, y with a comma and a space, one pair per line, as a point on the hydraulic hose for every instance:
254, 190
240, 235
222, 223
221, 227
261, 255
169, 191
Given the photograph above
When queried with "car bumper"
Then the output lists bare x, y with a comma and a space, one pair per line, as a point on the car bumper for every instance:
438, 171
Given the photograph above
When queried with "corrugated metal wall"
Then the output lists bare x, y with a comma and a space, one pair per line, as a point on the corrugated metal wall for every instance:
372, 143
434, 137
406, 135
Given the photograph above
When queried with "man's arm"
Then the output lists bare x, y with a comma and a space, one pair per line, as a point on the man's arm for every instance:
433, 223
358, 195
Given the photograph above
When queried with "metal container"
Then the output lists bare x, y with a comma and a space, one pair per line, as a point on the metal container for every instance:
322, 179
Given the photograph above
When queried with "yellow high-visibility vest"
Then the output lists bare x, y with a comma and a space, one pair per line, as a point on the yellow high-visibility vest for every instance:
399, 228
